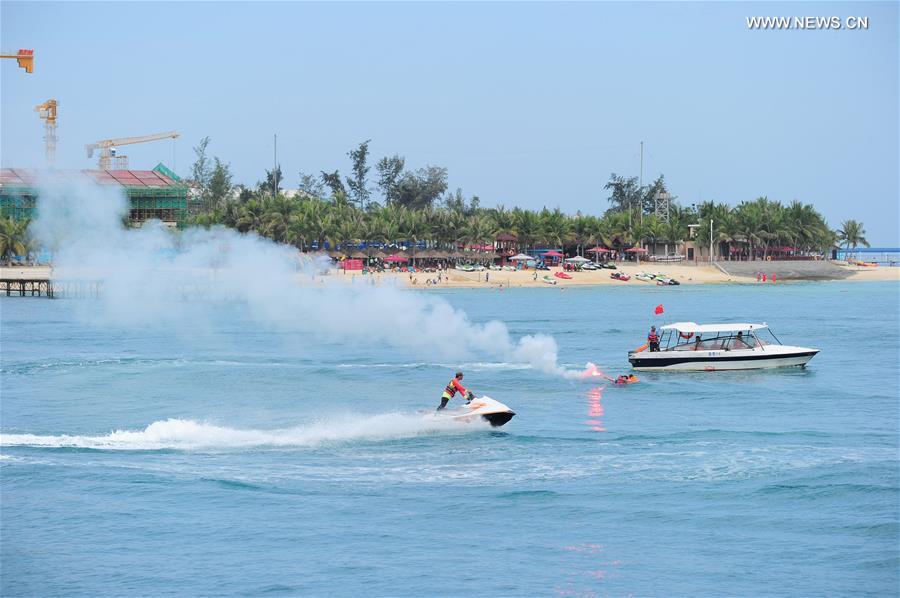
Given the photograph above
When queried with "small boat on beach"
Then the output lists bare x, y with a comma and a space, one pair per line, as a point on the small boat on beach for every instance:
619, 276
549, 279
563, 275
688, 346
644, 277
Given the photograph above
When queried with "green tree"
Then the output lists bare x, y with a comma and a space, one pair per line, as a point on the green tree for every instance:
270, 186
311, 185
15, 239
624, 193
219, 184
201, 174
852, 234
390, 170
332, 180
419, 189
358, 184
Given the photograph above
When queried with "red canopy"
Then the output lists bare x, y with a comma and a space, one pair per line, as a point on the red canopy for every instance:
553, 254
396, 258
636, 250
599, 250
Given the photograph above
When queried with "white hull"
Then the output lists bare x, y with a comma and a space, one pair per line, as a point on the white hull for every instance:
724, 364
772, 356
482, 408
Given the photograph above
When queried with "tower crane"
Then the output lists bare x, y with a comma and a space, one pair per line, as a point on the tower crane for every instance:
107, 148
24, 57
47, 113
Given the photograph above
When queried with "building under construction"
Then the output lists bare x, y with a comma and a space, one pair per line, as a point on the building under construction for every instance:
157, 193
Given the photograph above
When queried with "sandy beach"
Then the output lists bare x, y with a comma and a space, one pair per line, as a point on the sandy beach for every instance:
683, 273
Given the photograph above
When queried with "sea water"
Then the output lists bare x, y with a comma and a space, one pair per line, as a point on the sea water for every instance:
236, 460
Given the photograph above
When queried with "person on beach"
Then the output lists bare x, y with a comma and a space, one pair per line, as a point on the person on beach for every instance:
653, 340
454, 386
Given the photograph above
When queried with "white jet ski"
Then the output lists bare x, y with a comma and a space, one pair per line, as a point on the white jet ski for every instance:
493, 412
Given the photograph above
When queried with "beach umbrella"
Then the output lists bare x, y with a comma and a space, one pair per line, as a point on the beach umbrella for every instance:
636, 250
599, 250
577, 260
520, 258
396, 258
552, 253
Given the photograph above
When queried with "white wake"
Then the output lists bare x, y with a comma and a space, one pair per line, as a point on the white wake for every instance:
186, 434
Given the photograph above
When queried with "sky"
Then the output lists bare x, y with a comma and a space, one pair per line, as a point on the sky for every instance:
526, 104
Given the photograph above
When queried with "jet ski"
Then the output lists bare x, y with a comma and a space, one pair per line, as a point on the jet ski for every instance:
493, 412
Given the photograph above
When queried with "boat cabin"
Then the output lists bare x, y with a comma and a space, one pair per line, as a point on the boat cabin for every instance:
690, 336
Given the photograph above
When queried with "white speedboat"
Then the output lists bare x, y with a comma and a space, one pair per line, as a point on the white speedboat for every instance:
688, 346
486, 408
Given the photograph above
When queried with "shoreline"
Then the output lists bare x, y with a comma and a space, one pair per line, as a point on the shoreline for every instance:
685, 274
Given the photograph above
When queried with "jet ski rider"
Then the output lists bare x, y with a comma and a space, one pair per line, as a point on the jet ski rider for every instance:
454, 386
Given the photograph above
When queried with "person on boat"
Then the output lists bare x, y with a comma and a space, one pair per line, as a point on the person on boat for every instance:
653, 340
454, 386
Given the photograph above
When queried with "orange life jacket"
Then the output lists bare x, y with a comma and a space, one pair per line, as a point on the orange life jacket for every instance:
450, 390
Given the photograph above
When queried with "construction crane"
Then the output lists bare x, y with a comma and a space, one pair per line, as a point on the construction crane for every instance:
25, 58
107, 149
47, 113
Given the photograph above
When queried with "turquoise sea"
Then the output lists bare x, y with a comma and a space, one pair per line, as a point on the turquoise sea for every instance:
234, 459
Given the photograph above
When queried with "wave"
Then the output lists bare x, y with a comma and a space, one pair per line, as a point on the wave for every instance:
26, 368
186, 434
475, 365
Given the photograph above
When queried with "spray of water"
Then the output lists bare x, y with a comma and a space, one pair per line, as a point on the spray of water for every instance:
145, 271
186, 434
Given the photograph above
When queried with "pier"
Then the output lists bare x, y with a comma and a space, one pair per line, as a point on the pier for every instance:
37, 282
26, 287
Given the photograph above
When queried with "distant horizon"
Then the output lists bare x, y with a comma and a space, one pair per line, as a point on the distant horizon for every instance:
526, 105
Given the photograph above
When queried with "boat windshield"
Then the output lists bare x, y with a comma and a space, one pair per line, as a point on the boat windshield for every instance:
737, 340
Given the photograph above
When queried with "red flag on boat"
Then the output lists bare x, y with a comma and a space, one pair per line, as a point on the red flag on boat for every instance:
659, 309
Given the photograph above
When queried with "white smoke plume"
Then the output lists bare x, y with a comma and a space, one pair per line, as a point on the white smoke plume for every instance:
156, 276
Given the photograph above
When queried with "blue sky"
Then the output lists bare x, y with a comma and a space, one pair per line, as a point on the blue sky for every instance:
526, 104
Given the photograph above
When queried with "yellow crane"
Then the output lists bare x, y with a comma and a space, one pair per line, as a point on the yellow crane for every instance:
47, 113
107, 148
24, 57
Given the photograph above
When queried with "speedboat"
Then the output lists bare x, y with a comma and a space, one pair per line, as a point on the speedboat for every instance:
688, 346
486, 408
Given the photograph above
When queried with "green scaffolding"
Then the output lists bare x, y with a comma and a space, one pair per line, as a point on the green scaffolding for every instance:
168, 204
164, 203
18, 202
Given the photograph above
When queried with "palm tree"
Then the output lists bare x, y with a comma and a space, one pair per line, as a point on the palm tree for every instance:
584, 231
654, 230
527, 226
14, 238
250, 216
852, 235
555, 227
477, 230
